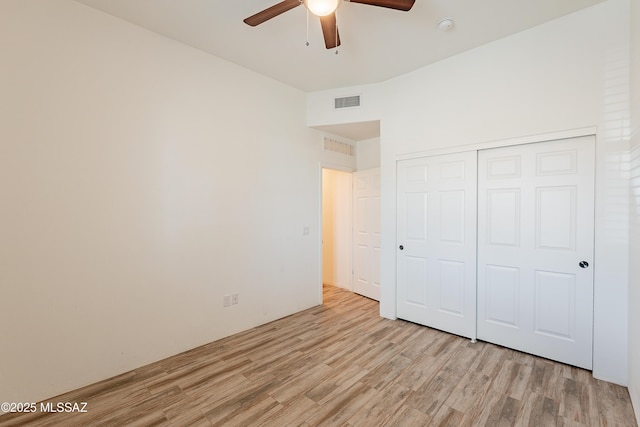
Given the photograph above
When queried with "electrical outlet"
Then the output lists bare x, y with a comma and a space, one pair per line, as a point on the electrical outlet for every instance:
234, 298
227, 300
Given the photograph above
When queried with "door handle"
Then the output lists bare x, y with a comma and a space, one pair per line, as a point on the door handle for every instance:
583, 264
401, 247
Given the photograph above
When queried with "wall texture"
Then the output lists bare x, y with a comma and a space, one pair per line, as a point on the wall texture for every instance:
133, 196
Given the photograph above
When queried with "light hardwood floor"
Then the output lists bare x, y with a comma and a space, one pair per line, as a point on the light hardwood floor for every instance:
340, 364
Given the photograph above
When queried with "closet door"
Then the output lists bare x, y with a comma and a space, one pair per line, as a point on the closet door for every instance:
436, 247
535, 248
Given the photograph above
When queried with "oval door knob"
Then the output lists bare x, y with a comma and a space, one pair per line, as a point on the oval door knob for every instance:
401, 247
583, 264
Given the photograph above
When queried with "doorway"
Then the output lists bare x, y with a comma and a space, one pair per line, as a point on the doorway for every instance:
350, 214
337, 217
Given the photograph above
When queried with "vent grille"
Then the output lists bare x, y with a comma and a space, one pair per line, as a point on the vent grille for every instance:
339, 147
346, 102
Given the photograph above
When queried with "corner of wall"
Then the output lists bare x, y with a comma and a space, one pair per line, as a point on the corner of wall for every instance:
634, 211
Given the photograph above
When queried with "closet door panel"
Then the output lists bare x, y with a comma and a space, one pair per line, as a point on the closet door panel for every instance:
535, 248
437, 241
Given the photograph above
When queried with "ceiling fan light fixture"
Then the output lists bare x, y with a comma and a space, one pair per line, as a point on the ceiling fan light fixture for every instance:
322, 7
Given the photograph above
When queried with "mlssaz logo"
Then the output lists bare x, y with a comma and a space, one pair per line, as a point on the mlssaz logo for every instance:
64, 407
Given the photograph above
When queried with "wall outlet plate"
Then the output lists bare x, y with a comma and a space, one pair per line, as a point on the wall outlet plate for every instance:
226, 301
234, 298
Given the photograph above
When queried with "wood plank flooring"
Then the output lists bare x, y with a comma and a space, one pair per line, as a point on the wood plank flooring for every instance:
340, 364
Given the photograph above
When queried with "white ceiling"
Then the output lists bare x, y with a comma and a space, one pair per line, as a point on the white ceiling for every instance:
377, 43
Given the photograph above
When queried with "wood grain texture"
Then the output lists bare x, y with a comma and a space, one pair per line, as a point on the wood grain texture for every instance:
271, 12
404, 5
340, 364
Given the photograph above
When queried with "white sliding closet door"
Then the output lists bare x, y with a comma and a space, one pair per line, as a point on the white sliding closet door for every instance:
436, 252
366, 233
535, 248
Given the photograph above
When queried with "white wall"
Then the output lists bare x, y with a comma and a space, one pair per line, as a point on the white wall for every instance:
134, 195
634, 278
337, 219
567, 74
368, 154
634, 212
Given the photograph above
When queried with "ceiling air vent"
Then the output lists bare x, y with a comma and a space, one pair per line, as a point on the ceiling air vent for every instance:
346, 102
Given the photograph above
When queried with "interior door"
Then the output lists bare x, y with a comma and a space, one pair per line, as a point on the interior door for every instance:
436, 252
366, 233
535, 248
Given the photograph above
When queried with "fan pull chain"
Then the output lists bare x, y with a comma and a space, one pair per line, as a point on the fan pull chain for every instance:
335, 14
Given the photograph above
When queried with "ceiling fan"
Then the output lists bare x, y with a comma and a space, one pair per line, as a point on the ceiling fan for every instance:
326, 11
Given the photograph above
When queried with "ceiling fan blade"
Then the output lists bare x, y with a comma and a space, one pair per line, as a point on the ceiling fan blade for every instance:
404, 5
271, 12
330, 31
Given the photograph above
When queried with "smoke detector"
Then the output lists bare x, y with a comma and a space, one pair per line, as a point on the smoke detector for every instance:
445, 24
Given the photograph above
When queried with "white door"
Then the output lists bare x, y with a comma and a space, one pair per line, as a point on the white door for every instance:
366, 233
436, 247
535, 248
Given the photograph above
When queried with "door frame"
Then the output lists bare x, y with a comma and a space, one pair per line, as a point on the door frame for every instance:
333, 166
509, 142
